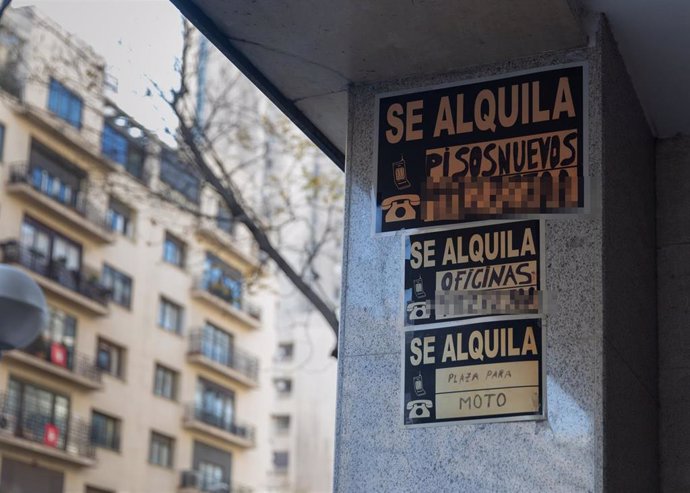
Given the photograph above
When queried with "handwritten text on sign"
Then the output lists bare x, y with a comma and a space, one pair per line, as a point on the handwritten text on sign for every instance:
474, 271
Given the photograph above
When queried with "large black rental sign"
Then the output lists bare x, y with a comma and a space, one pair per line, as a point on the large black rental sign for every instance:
474, 271
490, 148
490, 371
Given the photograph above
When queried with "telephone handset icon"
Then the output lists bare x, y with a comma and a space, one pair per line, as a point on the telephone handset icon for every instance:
419, 409
400, 207
400, 174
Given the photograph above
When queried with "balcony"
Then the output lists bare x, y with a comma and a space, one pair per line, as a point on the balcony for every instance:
198, 419
54, 359
64, 133
215, 233
195, 482
229, 362
37, 433
79, 214
78, 287
218, 296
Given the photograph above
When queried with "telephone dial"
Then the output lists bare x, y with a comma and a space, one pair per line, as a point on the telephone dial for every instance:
419, 409
400, 207
419, 310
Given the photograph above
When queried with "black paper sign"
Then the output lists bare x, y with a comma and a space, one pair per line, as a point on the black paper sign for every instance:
482, 150
475, 271
482, 371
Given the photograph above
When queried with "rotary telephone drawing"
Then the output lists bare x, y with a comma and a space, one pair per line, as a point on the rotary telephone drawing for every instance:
419, 409
400, 207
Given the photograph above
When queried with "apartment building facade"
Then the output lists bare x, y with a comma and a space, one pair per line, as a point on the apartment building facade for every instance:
303, 371
149, 376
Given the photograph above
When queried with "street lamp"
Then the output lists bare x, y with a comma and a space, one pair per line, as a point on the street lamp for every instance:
23, 310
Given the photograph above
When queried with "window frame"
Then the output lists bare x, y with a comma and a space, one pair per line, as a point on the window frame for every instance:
115, 442
117, 208
179, 176
162, 439
174, 382
163, 303
290, 386
120, 361
60, 103
181, 247
117, 275
277, 465
3, 133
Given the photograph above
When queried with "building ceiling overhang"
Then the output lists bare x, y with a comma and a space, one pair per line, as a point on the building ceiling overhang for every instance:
304, 54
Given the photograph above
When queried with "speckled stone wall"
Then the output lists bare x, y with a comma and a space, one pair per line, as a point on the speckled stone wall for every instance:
565, 453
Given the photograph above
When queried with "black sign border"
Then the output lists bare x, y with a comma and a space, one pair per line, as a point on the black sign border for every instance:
587, 199
543, 416
475, 318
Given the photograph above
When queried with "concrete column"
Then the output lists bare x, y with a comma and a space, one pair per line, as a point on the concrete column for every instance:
600, 333
673, 257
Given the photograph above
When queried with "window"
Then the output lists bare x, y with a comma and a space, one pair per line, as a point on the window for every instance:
64, 103
170, 316
210, 476
119, 218
119, 284
224, 220
217, 344
280, 461
105, 431
35, 409
281, 424
55, 177
173, 250
2, 141
286, 351
57, 340
214, 404
117, 146
110, 358
222, 280
165, 382
50, 254
179, 176
212, 468
283, 386
161, 450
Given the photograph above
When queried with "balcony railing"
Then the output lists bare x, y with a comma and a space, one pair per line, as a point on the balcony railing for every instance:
32, 175
224, 294
31, 423
200, 342
78, 281
195, 481
242, 431
57, 354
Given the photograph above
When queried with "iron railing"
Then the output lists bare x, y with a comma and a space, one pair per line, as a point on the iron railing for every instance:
196, 412
31, 174
24, 417
201, 342
81, 282
225, 294
195, 480
76, 362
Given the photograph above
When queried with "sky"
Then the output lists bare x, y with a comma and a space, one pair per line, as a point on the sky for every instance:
139, 39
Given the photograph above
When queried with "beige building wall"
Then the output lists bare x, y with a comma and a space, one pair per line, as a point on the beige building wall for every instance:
311, 370
129, 398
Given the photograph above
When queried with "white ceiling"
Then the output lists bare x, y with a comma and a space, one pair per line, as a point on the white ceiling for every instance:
310, 50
